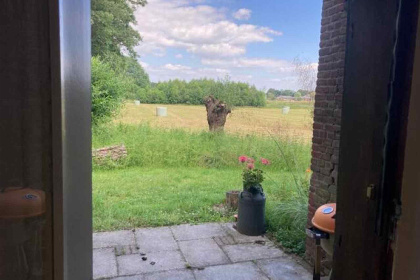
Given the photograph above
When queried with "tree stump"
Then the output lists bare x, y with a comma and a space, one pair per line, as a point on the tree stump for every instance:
217, 112
232, 198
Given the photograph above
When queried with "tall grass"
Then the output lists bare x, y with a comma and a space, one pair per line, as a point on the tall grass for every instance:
157, 147
287, 217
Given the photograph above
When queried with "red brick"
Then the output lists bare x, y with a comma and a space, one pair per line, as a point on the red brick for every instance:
327, 111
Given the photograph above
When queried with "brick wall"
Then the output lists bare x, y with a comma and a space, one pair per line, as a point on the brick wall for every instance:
327, 112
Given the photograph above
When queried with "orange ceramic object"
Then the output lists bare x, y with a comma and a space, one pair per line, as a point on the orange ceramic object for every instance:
324, 218
18, 203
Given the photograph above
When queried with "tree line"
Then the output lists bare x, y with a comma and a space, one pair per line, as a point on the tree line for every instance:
195, 91
272, 94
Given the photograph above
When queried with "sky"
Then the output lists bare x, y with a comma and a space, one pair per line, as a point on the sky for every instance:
253, 41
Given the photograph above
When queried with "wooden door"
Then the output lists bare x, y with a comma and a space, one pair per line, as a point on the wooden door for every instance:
380, 44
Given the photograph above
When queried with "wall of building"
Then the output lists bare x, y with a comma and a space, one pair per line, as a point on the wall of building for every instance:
327, 112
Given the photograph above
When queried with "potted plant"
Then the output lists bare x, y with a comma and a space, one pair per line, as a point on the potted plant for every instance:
251, 210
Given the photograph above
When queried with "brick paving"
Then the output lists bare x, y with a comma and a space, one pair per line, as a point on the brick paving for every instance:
191, 252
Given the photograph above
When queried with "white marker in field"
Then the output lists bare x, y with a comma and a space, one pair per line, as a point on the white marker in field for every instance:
137, 102
161, 111
286, 110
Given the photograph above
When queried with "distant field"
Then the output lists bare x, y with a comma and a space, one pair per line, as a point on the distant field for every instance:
243, 120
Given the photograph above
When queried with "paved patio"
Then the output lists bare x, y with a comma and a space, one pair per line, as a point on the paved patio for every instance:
187, 252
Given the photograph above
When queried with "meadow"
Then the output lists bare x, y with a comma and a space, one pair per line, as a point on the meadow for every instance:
243, 120
177, 172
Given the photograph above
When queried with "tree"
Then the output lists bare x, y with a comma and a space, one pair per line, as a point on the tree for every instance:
306, 73
114, 39
282, 92
107, 89
298, 96
116, 73
217, 112
134, 70
112, 30
312, 95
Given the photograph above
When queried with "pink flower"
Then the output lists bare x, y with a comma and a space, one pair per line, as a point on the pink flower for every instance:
265, 161
243, 158
250, 166
250, 160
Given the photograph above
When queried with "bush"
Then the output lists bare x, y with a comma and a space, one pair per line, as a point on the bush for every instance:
108, 89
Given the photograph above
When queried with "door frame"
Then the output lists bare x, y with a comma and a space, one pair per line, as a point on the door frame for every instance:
70, 45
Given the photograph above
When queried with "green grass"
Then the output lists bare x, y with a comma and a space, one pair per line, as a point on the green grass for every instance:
139, 197
158, 147
174, 176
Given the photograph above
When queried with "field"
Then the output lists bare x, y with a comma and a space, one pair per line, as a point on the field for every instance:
177, 172
243, 120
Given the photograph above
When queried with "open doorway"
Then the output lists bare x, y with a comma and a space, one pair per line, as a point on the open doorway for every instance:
46, 149
156, 164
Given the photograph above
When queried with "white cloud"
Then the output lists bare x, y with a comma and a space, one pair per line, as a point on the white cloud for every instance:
273, 65
176, 67
199, 29
210, 36
242, 14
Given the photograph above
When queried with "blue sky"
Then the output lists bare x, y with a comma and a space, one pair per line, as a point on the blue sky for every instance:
249, 40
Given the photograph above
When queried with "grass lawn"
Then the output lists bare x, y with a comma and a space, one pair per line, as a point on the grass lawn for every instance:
142, 197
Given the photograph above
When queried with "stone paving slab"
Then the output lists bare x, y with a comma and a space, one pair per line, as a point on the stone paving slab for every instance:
214, 251
126, 250
104, 263
224, 240
155, 239
135, 277
171, 275
284, 269
113, 238
133, 264
240, 238
202, 252
191, 232
251, 251
238, 271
